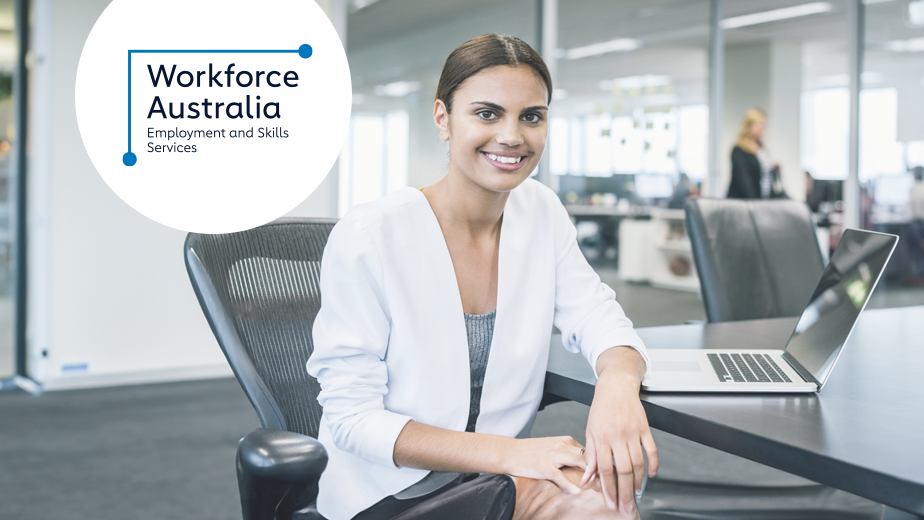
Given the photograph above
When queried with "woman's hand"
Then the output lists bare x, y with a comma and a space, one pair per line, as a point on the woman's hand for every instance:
544, 457
617, 429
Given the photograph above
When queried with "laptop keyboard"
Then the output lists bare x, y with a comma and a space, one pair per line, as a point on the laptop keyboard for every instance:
747, 368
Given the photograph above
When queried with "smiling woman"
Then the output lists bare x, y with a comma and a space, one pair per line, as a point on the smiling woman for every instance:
515, 89
505, 132
432, 341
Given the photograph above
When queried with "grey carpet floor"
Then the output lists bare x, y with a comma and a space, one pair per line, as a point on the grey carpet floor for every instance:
649, 306
142, 452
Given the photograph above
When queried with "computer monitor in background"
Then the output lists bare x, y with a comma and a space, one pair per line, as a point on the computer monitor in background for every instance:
584, 187
824, 190
893, 190
653, 186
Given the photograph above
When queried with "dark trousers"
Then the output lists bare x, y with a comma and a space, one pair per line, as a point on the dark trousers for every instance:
488, 497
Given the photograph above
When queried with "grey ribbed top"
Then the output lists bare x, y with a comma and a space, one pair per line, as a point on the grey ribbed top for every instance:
480, 330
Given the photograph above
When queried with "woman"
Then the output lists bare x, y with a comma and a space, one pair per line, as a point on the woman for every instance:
916, 206
489, 258
755, 175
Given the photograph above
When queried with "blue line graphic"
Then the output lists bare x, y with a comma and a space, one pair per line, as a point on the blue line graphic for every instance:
129, 159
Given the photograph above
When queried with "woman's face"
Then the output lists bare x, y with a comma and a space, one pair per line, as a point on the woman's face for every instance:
497, 128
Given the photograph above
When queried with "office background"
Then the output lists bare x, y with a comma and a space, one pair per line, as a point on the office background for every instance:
103, 298
92, 294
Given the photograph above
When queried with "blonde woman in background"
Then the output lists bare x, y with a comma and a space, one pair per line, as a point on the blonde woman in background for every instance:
755, 175
916, 242
916, 198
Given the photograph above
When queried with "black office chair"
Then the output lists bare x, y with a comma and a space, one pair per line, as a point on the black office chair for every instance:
259, 291
756, 259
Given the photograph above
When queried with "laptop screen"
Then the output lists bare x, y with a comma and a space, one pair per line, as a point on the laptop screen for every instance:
842, 293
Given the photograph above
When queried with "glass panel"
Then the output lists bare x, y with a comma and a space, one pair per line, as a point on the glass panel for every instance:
693, 140
374, 159
632, 127
825, 125
892, 143
8, 55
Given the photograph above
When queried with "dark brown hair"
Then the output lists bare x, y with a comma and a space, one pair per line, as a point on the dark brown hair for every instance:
488, 50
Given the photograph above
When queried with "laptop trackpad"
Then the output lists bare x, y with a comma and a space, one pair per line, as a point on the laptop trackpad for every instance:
676, 366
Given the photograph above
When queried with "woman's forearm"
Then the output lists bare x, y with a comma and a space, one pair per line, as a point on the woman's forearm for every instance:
428, 447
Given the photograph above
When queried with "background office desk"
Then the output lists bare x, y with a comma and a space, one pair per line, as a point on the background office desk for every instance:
863, 433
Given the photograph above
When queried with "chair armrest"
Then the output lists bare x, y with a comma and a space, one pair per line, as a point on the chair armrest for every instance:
281, 455
278, 473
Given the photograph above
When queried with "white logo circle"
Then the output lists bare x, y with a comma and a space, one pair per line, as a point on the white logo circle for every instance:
213, 116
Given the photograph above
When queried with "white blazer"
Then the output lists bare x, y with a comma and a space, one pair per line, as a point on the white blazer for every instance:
390, 342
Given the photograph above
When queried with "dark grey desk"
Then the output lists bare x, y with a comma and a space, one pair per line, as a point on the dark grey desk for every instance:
863, 433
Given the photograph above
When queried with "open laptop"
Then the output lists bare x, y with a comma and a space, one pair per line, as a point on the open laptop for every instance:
806, 362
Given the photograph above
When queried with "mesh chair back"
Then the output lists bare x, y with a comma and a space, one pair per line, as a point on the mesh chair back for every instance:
259, 290
755, 258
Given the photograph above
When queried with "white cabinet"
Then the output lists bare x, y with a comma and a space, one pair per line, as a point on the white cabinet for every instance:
657, 251
636, 247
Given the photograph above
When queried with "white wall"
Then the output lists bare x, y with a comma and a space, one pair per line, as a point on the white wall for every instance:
911, 110
782, 137
107, 287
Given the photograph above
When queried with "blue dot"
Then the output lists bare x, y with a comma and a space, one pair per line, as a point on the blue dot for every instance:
129, 159
304, 51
